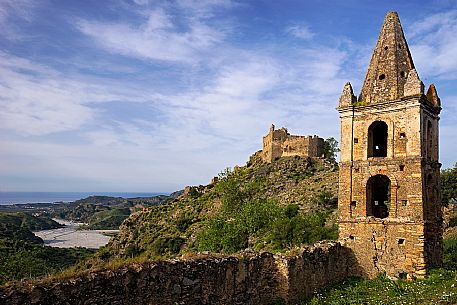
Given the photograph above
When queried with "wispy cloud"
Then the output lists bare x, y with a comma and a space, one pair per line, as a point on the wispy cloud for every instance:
38, 100
434, 46
11, 10
157, 37
35, 102
300, 31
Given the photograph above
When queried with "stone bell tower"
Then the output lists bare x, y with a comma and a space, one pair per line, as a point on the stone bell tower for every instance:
389, 188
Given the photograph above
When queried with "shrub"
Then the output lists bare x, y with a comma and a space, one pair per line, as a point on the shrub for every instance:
300, 229
325, 198
450, 252
166, 245
256, 215
222, 236
291, 210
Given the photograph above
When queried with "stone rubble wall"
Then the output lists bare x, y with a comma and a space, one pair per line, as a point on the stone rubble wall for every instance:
245, 279
279, 143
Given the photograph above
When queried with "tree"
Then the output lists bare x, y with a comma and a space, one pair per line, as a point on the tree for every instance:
331, 148
449, 185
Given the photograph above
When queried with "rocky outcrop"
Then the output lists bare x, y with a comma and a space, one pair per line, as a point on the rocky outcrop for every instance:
243, 279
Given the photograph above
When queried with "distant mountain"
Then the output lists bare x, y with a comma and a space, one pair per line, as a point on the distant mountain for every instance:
19, 226
105, 212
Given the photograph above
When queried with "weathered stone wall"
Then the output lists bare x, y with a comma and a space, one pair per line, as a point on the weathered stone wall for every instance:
252, 279
393, 246
279, 143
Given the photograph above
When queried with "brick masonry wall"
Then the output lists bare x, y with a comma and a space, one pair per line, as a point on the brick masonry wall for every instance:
251, 279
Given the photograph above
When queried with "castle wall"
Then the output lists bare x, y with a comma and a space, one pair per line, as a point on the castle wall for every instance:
253, 279
279, 143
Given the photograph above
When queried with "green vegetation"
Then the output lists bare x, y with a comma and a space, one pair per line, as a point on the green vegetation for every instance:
449, 185
28, 221
108, 219
105, 212
437, 288
272, 207
22, 254
20, 260
245, 221
14, 232
331, 148
18, 226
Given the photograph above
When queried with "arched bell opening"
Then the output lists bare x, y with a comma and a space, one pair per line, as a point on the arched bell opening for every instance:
378, 196
377, 139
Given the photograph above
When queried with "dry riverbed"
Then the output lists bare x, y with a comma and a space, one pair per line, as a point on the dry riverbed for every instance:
69, 236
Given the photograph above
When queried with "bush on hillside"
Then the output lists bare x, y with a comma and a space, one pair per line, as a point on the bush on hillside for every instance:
244, 219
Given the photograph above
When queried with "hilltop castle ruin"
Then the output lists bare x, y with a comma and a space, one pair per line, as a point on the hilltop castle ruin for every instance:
279, 143
389, 195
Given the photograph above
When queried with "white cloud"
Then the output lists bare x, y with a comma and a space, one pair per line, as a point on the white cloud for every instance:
434, 46
300, 31
18, 8
15, 9
157, 38
33, 101
38, 100
158, 20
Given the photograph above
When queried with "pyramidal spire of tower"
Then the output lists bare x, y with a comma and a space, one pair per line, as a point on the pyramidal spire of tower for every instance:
390, 64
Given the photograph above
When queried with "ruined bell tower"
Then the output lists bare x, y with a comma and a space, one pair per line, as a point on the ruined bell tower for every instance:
389, 188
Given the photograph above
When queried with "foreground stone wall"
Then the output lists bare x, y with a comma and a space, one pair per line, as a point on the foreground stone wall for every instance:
251, 279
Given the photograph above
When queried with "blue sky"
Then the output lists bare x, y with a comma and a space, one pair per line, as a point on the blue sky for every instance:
151, 96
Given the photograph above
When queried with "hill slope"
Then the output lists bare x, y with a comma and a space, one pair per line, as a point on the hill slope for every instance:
23, 255
251, 207
18, 226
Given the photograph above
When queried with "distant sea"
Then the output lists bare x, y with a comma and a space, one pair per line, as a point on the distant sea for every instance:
51, 197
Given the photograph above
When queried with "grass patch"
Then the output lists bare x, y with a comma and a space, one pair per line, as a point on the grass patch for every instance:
439, 287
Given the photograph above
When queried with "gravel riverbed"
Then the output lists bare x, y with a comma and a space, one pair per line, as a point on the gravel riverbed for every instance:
69, 236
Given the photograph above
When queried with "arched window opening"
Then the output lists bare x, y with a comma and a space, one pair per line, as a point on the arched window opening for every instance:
377, 139
429, 139
378, 196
